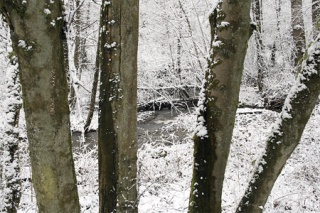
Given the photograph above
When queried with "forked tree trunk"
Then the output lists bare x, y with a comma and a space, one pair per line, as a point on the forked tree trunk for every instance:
298, 33
286, 133
230, 32
117, 134
36, 32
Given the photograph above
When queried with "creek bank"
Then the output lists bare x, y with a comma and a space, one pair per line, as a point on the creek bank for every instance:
149, 127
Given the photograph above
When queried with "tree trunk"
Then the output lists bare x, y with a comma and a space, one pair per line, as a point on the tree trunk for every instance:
117, 134
79, 54
257, 18
36, 31
286, 133
274, 48
94, 89
315, 17
12, 181
230, 32
298, 33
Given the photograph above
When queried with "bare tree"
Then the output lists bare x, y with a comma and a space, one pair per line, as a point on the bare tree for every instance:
315, 17
286, 133
94, 89
11, 168
298, 33
257, 18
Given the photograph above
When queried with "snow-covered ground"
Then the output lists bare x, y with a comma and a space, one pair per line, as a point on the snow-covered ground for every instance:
165, 167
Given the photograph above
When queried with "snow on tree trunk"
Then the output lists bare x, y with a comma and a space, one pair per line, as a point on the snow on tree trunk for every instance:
230, 32
37, 37
286, 132
117, 133
11, 187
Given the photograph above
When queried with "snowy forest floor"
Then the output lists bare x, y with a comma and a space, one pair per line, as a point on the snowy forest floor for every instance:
165, 159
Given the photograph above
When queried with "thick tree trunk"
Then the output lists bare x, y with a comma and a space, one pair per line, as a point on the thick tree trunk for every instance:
298, 33
230, 32
286, 133
36, 29
117, 136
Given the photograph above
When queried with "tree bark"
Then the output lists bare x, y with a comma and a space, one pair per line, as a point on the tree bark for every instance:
230, 32
36, 32
117, 134
257, 18
286, 133
298, 33
315, 17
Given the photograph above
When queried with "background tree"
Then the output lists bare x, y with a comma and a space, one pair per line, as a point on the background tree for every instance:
286, 133
10, 141
257, 18
93, 90
172, 34
298, 33
315, 17
230, 32
44, 89
117, 133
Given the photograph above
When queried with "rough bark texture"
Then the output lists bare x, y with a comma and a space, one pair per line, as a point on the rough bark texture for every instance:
117, 136
230, 31
298, 33
286, 133
36, 31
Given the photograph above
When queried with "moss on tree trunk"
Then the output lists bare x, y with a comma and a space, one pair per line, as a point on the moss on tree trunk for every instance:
230, 32
286, 133
117, 139
37, 35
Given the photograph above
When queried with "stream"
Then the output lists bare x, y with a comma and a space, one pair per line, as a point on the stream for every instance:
149, 126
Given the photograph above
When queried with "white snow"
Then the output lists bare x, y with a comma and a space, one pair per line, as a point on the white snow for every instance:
22, 43
47, 11
224, 24
217, 43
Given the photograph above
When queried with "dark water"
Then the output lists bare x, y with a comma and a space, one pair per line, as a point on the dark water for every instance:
147, 128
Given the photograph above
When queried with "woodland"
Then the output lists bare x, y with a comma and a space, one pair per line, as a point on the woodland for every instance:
159, 106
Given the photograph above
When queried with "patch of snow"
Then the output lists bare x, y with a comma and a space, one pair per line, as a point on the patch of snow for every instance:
47, 11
